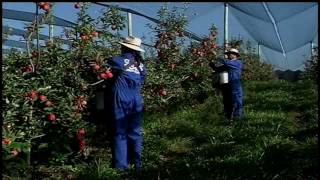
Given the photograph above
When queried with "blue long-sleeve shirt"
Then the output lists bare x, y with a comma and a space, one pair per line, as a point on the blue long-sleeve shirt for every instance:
234, 68
126, 97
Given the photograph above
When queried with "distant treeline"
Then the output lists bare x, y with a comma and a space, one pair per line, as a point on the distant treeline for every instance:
289, 75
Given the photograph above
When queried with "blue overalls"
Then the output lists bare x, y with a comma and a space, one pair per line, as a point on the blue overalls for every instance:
126, 105
232, 91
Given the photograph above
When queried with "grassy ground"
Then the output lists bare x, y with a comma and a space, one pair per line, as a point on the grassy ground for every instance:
277, 139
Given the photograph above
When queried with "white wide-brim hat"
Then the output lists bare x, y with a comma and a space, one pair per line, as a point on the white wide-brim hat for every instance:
233, 51
132, 43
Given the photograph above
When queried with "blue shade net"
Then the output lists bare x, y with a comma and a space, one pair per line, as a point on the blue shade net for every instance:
284, 30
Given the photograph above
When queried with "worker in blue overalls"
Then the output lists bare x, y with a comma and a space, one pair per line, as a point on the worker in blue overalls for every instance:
231, 91
126, 103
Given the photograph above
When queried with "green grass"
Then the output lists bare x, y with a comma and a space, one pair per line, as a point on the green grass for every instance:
277, 139
197, 143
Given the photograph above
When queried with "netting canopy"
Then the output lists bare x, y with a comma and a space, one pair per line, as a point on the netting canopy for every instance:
284, 32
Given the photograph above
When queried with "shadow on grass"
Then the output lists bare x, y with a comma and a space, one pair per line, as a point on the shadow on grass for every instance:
305, 133
290, 162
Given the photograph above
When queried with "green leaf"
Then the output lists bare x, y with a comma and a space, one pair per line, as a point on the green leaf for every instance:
43, 145
15, 105
48, 109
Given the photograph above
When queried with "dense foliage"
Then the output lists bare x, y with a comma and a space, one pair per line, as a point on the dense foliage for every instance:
312, 67
179, 74
48, 94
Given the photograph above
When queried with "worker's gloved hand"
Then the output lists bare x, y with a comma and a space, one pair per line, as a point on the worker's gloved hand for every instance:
216, 64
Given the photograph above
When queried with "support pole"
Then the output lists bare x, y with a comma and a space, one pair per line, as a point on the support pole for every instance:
37, 26
311, 43
129, 24
259, 51
226, 24
51, 32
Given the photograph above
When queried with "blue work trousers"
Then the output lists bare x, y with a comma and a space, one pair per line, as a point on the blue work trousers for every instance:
127, 141
232, 100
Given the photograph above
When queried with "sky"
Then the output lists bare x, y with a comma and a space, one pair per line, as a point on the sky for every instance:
201, 16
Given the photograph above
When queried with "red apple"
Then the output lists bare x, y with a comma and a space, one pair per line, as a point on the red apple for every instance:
46, 7
163, 92
84, 37
42, 98
82, 144
6, 141
52, 117
95, 34
32, 95
27, 69
109, 74
77, 5
81, 132
103, 75
214, 46
14, 152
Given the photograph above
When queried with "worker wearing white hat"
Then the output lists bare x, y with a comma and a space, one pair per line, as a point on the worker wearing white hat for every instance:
232, 88
126, 103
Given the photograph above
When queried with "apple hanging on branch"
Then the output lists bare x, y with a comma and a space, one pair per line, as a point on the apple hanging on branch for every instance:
52, 117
